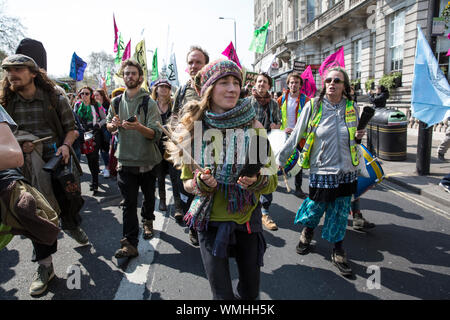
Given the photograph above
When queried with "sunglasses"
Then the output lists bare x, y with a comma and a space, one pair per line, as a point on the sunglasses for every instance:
335, 80
84, 93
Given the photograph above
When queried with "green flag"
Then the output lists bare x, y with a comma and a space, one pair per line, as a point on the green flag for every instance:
120, 50
259, 39
155, 73
108, 77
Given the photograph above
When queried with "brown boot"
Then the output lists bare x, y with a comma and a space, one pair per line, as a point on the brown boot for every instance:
127, 250
148, 229
268, 222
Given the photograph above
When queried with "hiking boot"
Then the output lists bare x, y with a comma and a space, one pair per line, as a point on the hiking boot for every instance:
162, 204
127, 250
441, 157
41, 279
193, 236
78, 235
299, 193
305, 241
339, 259
269, 223
359, 223
148, 229
178, 215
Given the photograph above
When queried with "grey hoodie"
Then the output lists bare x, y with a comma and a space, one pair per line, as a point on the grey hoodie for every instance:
330, 153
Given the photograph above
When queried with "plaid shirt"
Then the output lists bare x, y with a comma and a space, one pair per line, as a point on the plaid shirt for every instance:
274, 115
29, 116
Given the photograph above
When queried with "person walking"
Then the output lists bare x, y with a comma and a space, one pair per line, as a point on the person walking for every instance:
135, 115
329, 125
102, 98
92, 116
196, 59
225, 211
379, 98
292, 102
161, 94
268, 114
445, 143
33, 102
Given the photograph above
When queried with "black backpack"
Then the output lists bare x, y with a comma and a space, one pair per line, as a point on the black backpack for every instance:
144, 105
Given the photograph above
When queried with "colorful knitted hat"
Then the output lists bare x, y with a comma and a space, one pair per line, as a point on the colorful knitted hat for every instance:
214, 71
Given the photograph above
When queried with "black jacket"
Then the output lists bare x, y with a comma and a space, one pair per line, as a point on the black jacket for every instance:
379, 100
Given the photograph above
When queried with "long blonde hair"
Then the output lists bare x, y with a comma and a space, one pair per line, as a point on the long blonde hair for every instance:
181, 127
155, 97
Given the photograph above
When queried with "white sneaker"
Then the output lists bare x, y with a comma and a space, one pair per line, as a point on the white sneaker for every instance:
106, 173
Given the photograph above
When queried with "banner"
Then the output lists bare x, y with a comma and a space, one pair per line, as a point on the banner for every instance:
231, 54
116, 35
172, 71
155, 73
430, 100
259, 39
334, 60
77, 67
250, 77
108, 77
120, 49
309, 85
127, 52
140, 55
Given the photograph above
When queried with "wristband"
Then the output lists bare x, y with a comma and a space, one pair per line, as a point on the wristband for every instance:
67, 145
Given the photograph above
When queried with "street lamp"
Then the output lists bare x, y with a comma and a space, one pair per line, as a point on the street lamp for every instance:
235, 44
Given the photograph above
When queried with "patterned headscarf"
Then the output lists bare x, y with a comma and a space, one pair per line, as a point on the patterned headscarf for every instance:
214, 71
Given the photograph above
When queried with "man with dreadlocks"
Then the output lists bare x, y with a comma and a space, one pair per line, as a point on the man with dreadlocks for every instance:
33, 102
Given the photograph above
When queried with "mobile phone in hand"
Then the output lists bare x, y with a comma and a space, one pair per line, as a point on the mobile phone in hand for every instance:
131, 119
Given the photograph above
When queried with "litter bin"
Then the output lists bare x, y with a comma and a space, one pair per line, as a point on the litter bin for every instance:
386, 134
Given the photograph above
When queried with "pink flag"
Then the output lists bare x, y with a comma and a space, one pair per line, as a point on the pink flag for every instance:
448, 52
116, 34
448, 36
334, 60
127, 52
309, 85
231, 54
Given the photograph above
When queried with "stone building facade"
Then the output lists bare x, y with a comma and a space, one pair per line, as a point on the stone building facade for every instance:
379, 38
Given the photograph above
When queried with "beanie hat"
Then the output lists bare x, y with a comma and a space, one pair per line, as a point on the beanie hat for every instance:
214, 71
34, 49
162, 82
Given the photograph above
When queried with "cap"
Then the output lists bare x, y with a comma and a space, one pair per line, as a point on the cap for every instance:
162, 82
19, 60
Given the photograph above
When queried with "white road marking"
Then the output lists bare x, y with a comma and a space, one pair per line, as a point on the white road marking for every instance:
424, 205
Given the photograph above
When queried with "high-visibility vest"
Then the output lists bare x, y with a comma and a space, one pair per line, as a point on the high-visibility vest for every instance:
350, 121
301, 100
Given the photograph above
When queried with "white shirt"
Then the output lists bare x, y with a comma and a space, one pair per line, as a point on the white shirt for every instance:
291, 114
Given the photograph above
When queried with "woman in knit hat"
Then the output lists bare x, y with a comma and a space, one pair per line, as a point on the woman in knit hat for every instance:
225, 211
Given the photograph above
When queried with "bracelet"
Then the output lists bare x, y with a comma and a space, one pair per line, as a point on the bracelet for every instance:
66, 144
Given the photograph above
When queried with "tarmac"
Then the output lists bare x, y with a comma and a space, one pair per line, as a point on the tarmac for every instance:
404, 173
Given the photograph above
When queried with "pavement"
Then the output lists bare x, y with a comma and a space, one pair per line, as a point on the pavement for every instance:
404, 173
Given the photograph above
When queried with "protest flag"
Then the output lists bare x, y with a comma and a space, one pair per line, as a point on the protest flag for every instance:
116, 35
77, 67
120, 49
108, 77
140, 55
309, 85
430, 100
231, 54
334, 60
173, 71
259, 39
127, 52
155, 73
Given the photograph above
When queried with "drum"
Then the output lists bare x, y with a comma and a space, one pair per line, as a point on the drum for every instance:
277, 140
374, 170
88, 145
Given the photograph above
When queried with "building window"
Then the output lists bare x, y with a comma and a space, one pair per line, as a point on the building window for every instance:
270, 13
296, 15
357, 54
331, 3
257, 7
279, 31
278, 7
396, 40
310, 10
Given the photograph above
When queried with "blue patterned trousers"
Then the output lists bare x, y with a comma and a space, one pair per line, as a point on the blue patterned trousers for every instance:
335, 225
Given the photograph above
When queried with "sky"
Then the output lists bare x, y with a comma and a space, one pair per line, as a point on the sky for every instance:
83, 27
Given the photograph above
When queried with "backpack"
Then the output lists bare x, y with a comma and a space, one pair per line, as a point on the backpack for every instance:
144, 105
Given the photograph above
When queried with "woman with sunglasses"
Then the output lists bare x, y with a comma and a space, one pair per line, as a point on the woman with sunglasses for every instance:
93, 117
101, 98
329, 125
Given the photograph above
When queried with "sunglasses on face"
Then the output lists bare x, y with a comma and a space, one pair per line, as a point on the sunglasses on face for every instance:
84, 93
335, 80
